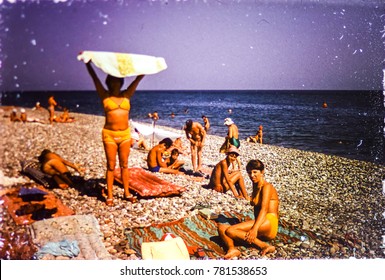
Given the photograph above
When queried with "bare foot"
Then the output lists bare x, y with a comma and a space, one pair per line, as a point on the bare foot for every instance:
267, 250
232, 253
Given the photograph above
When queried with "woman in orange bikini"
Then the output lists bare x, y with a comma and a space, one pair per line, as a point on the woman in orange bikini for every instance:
116, 132
265, 201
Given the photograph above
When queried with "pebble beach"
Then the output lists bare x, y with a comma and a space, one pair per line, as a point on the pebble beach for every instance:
331, 196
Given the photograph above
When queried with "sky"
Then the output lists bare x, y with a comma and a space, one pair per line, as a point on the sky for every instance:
207, 44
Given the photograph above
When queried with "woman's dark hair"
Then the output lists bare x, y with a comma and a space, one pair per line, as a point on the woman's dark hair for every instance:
175, 152
109, 78
255, 164
167, 142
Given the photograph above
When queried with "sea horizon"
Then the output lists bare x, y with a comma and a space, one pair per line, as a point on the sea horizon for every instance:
351, 126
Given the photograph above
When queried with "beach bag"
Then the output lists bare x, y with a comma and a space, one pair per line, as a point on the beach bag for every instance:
225, 146
171, 249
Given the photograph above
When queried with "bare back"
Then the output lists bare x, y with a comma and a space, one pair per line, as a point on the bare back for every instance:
233, 131
154, 156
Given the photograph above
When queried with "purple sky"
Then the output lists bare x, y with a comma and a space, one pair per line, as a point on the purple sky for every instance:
207, 44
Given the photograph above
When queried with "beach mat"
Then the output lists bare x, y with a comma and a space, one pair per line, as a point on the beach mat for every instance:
198, 231
27, 205
147, 184
31, 168
84, 229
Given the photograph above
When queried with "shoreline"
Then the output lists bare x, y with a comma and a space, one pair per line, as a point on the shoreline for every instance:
329, 195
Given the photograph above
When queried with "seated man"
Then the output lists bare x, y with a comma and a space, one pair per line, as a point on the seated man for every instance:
54, 165
155, 160
222, 180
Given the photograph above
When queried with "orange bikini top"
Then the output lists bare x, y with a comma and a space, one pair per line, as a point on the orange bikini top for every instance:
110, 105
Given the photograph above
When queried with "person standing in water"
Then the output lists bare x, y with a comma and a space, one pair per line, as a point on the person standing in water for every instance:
116, 133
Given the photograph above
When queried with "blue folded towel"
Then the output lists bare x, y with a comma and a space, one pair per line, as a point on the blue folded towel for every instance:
62, 248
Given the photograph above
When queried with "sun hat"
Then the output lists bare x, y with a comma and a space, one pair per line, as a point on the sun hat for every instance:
233, 149
228, 121
22, 110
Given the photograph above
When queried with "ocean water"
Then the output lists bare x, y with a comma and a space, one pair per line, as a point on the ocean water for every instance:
352, 126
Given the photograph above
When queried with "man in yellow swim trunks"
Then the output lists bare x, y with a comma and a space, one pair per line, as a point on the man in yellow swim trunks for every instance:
264, 199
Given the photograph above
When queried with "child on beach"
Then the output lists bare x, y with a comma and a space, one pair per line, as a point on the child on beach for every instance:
265, 202
221, 180
173, 162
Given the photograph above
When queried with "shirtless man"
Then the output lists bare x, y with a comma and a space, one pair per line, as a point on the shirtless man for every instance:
54, 165
196, 134
155, 161
265, 201
222, 179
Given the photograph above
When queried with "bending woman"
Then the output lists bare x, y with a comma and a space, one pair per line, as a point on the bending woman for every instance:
265, 201
116, 132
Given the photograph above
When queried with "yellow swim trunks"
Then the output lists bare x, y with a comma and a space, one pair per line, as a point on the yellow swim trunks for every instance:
274, 225
117, 137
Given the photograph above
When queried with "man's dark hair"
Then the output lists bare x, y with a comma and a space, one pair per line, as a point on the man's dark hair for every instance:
167, 142
189, 124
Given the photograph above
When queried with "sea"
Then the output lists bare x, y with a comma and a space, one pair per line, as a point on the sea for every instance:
351, 126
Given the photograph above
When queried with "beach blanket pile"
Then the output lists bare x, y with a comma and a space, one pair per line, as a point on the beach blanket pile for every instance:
198, 231
30, 204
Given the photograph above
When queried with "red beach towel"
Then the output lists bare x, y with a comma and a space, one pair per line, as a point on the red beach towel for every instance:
147, 184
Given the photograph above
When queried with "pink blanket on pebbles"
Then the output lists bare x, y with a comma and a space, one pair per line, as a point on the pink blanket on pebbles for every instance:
147, 184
